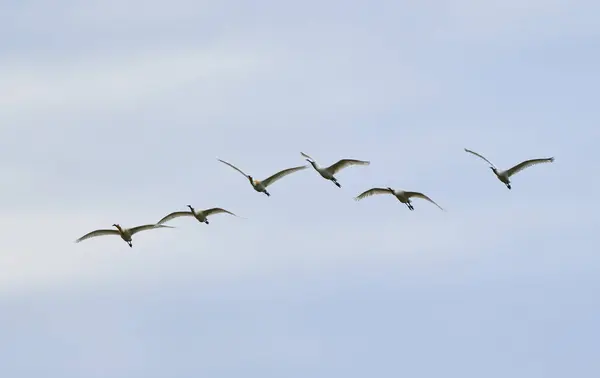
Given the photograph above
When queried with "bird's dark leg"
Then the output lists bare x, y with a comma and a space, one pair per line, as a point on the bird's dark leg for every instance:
336, 183
206, 221
508, 186
267, 193
130, 244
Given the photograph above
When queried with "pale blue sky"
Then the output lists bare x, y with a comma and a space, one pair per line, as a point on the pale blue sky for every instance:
116, 111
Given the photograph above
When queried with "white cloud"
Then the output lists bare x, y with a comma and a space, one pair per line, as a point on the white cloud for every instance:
39, 252
101, 82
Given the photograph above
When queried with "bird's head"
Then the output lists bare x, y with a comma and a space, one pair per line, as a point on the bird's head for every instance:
390, 189
191, 208
251, 179
117, 226
494, 169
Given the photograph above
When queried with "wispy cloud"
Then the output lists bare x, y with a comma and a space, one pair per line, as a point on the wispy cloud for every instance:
101, 82
382, 232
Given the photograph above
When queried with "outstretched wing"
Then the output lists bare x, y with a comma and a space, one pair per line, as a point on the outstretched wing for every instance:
306, 156
173, 215
480, 156
371, 192
527, 163
268, 181
422, 196
334, 168
135, 230
217, 210
233, 166
97, 233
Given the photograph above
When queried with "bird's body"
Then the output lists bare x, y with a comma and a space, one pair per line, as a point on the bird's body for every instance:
504, 176
401, 195
328, 173
125, 233
261, 185
200, 215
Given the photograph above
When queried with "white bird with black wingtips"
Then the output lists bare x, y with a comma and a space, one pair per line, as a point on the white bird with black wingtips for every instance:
329, 172
200, 215
504, 176
261, 185
124, 233
401, 195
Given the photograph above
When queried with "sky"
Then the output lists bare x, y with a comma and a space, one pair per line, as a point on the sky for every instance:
115, 112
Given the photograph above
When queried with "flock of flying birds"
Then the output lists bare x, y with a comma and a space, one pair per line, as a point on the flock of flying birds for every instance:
327, 173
